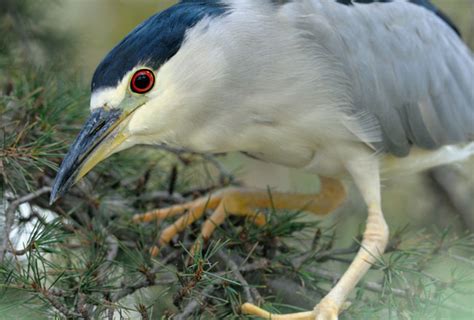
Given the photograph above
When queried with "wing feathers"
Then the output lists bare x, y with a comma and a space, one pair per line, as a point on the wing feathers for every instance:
408, 69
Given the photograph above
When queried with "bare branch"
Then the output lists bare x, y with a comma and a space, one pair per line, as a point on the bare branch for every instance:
82, 306
58, 305
112, 250
10, 217
250, 292
162, 196
129, 289
317, 255
257, 265
23, 251
194, 304
225, 176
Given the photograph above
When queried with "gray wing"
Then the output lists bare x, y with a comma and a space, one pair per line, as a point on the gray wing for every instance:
407, 68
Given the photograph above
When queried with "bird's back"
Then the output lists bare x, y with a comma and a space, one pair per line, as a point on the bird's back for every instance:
408, 69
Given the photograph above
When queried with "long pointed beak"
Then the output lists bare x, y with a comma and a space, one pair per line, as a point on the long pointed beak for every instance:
98, 139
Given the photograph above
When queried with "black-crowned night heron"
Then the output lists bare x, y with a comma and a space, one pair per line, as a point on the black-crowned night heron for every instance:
332, 87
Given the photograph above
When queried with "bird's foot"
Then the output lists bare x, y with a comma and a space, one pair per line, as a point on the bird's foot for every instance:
236, 201
242, 202
325, 310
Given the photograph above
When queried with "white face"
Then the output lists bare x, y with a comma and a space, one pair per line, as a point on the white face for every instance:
180, 109
178, 105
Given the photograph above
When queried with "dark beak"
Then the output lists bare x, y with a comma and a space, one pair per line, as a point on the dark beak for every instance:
95, 142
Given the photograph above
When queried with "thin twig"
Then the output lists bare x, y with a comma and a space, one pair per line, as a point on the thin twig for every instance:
112, 250
162, 196
21, 252
104, 270
293, 292
147, 281
141, 308
257, 265
194, 304
250, 292
129, 289
225, 176
58, 305
10, 217
326, 254
58, 292
81, 306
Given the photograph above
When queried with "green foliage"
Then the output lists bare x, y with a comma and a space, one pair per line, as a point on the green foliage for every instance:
36, 108
89, 272
36, 105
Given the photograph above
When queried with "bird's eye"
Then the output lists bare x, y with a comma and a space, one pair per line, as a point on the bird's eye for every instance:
142, 81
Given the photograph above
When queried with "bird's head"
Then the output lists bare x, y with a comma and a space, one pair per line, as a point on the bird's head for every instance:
140, 89
203, 75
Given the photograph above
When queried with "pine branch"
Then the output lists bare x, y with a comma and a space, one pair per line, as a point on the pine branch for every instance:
59, 306
249, 291
195, 304
10, 217
144, 283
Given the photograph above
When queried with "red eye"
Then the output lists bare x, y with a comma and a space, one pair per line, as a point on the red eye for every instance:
142, 81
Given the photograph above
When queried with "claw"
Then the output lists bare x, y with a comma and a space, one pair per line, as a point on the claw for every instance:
173, 211
154, 251
228, 201
241, 202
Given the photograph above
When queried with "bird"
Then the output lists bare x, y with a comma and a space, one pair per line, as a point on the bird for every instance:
365, 90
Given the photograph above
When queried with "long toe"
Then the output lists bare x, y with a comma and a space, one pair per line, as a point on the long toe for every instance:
326, 310
250, 309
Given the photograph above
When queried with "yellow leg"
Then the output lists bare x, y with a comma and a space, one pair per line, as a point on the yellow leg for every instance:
243, 202
373, 244
366, 176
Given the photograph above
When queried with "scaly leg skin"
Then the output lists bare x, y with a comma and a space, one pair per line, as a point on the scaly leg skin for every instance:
372, 247
375, 239
242, 202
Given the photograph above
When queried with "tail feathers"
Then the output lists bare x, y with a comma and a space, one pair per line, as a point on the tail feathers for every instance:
419, 160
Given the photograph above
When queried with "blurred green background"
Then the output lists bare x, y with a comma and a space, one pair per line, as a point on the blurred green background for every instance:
100, 24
